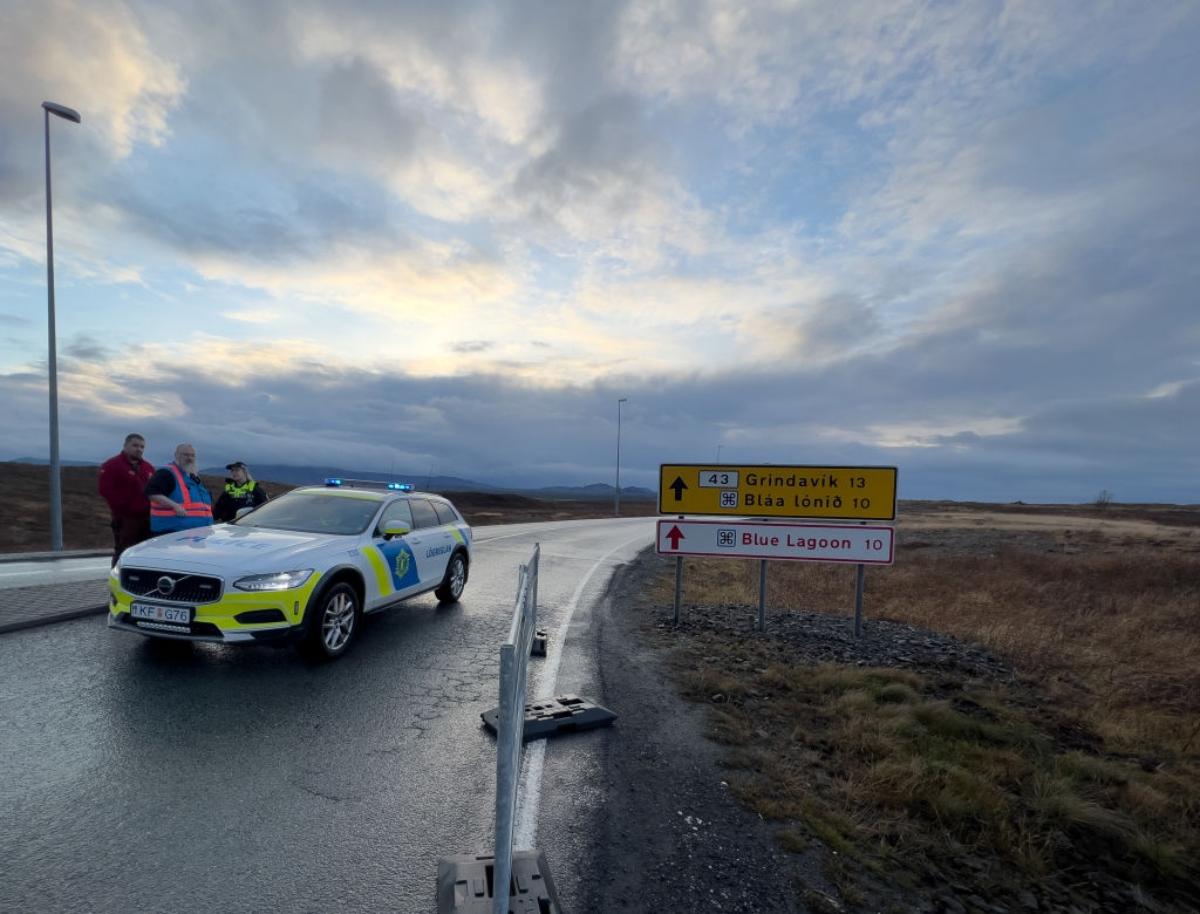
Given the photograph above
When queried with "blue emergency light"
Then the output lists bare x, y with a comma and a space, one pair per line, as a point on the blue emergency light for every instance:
335, 482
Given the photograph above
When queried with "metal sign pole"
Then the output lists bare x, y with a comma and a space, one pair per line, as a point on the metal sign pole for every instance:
858, 600
678, 584
860, 582
762, 595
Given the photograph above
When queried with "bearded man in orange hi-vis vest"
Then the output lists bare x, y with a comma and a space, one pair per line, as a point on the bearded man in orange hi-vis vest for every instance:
178, 499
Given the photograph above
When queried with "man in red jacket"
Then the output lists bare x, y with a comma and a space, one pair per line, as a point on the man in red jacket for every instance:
122, 480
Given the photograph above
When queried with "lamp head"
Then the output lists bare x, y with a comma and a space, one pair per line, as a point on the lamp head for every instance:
62, 111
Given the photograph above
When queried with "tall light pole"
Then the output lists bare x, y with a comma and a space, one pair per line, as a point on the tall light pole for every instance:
56, 532
617, 494
719, 446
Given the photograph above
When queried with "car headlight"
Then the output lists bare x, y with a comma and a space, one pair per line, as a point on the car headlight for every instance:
280, 580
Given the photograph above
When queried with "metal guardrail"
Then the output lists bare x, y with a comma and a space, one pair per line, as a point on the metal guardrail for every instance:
514, 667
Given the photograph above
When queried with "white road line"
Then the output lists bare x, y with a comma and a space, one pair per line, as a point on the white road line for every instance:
540, 527
529, 796
51, 572
505, 536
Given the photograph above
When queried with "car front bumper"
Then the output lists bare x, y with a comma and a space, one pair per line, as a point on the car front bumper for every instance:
274, 616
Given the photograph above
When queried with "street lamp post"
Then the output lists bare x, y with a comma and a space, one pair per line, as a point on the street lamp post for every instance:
719, 447
617, 493
56, 529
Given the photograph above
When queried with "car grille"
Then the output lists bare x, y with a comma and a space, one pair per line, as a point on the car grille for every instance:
171, 586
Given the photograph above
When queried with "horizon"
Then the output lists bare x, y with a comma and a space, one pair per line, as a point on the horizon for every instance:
961, 241
216, 470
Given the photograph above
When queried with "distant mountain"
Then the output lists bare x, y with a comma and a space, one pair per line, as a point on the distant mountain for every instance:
597, 490
42, 461
299, 476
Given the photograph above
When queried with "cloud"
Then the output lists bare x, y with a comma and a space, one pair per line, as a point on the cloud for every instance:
1141, 448
946, 237
603, 181
360, 115
103, 65
254, 316
472, 346
832, 328
84, 348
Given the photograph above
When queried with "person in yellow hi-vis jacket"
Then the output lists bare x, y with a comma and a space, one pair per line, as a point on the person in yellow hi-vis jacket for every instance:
241, 491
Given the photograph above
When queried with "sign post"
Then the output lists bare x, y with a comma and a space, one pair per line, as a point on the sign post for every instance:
762, 595
790, 492
858, 598
678, 584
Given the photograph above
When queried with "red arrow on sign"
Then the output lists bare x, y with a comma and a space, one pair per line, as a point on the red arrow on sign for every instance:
675, 535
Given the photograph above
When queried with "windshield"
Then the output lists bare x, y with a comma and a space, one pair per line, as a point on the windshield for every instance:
309, 513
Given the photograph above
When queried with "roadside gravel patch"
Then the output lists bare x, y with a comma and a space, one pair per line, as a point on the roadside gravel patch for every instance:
813, 638
670, 837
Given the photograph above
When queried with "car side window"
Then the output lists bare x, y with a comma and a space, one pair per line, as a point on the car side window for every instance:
396, 511
445, 513
423, 514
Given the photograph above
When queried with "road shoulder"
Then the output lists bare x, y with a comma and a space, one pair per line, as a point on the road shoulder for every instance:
669, 837
27, 607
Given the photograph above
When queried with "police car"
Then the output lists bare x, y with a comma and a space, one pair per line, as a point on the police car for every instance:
306, 566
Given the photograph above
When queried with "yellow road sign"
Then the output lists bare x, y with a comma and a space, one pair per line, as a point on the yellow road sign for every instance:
763, 490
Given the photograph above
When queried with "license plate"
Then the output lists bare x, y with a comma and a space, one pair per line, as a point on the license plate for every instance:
178, 614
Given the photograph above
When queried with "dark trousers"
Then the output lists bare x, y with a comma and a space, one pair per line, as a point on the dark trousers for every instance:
128, 531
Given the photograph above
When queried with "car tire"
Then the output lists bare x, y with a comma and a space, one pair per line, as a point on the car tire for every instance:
336, 616
455, 580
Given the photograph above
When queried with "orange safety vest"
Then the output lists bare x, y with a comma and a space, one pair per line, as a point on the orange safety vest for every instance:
192, 508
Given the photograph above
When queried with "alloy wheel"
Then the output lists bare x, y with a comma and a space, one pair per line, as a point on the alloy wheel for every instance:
458, 576
337, 623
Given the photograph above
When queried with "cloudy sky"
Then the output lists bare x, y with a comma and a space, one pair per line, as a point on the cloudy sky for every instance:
962, 239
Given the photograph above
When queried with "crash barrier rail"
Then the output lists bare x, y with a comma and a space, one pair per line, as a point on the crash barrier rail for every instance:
514, 668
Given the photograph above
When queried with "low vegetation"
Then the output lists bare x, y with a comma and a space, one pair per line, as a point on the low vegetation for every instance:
1086, 761
1112, 637
24, 492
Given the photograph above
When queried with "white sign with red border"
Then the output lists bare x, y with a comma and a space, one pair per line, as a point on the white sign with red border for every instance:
859, 545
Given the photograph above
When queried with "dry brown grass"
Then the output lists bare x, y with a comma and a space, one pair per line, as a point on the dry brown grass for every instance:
903, 759
1089, 759
1115, 637
914, 777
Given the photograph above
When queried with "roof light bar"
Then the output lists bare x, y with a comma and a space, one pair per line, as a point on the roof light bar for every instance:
342, 482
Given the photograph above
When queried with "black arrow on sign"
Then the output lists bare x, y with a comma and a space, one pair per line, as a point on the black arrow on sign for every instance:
675, 535
678, 485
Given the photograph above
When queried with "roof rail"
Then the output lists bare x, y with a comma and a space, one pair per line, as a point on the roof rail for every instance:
342, 482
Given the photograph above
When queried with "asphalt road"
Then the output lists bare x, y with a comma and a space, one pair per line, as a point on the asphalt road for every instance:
137, 776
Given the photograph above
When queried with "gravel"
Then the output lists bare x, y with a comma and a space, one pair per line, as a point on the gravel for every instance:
814, 638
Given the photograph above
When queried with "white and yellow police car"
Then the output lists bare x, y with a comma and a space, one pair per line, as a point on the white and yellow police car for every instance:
305, 567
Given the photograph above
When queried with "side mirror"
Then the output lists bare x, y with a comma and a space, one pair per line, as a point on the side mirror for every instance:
242, 512
395, 528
